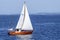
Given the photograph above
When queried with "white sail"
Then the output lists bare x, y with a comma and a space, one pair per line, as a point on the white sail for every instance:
24, 22
27, 22
20, 21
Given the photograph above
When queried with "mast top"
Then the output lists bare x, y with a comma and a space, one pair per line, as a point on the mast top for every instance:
24, 2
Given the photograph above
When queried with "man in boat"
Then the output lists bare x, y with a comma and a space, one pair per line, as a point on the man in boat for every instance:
17, 29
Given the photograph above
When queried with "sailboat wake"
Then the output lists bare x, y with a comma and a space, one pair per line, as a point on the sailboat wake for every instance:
1, 29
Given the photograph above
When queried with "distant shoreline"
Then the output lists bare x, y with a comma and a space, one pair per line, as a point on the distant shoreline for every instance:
41, 13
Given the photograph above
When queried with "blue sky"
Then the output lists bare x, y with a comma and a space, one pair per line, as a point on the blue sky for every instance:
34, 6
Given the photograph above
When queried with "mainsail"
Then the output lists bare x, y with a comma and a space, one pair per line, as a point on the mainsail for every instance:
24, 22
20, 21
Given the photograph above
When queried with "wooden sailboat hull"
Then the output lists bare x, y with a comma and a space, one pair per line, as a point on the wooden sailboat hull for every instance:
20, 33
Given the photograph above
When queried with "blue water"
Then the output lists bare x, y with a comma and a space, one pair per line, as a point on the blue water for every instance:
46, 27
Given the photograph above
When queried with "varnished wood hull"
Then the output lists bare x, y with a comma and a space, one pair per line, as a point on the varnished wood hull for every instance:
20, 33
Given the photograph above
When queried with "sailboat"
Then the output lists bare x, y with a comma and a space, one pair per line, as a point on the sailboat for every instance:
24, 25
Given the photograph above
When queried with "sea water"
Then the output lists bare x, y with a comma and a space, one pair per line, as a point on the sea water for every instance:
46, 27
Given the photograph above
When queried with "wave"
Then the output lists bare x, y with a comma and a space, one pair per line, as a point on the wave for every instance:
52, 23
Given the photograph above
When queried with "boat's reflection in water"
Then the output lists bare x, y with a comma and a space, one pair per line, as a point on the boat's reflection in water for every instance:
24, 37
